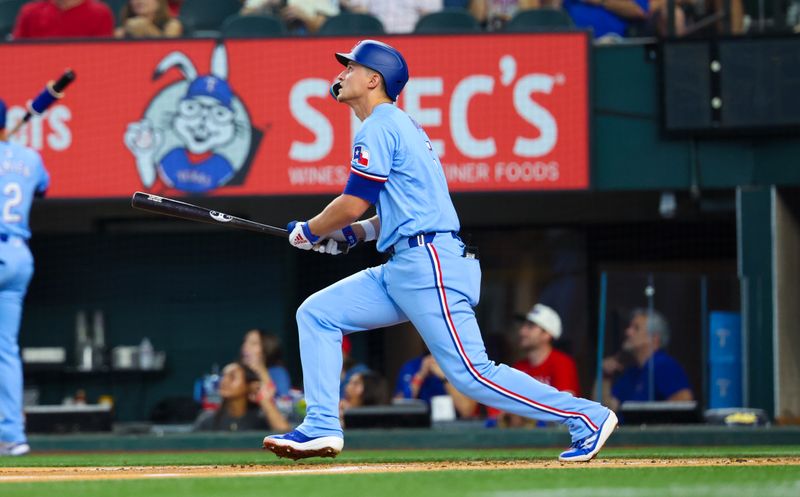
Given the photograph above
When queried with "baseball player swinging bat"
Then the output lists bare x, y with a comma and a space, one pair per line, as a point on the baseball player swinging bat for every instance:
176, 208
52, 92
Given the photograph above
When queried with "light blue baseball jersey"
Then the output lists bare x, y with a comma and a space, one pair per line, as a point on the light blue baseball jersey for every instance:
22, 174
428, 281
395, 167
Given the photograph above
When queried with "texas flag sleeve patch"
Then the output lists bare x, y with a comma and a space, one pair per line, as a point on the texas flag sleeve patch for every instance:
361, 155
361, 183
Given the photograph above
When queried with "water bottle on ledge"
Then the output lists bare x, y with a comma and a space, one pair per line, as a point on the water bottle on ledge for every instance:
99, 335
146, 354
210, 399
83, 346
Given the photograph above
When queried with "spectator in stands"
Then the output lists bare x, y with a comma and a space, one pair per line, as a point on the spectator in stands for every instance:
366, 388
397, 16
300, 16
247, 404
657, 19
147, 19
350, 366
494, 14
607, 18
261, 351
175, 7
736, 17
539, 329
422, 378
474, 7
64, 19
645, 337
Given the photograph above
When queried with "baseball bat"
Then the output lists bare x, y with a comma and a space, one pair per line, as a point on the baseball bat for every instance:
52, 92
176, 208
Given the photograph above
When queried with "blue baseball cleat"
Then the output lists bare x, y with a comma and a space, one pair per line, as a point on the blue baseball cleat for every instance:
586, 448
14, 448
295, 445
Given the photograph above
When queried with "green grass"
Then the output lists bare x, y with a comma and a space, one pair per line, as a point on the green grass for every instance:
595, 481
768, 481
257, 456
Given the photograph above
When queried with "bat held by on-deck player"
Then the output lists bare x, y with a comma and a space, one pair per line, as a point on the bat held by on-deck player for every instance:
52, 91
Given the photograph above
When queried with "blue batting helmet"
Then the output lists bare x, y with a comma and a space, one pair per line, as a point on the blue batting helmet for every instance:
382, 58
2, 114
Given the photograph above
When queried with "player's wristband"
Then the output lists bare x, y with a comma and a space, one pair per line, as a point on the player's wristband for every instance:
369, 230
311, 237
350, 236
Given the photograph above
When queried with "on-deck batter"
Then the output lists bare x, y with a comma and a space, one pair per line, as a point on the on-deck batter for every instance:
22, 175
431, 279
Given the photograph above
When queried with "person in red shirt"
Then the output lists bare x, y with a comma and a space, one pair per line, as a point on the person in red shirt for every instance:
64, 19
175, 7
540, 328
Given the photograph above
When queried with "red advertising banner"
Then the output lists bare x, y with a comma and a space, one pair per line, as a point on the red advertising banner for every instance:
254, 117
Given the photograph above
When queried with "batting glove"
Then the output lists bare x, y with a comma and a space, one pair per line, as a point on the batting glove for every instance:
300, 235
329, 246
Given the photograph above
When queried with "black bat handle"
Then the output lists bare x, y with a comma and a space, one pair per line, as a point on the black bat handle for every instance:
64, 81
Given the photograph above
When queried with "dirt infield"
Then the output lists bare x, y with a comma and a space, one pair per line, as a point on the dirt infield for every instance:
220, 471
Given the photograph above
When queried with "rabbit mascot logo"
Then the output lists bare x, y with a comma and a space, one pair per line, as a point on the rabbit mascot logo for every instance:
195, 135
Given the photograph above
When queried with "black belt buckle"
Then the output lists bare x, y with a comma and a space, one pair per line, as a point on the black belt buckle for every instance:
471, 252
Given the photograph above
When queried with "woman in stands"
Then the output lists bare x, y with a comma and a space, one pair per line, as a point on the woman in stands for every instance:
247, 404
262, 352
148, 19
366, 388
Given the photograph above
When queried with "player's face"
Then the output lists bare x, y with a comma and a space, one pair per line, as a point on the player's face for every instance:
232, 384
636, 336
355, 81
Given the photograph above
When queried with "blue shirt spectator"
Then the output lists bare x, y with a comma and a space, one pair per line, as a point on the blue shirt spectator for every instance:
669, 378
430, 387
423, 379
606, 16
280, 377
645, 337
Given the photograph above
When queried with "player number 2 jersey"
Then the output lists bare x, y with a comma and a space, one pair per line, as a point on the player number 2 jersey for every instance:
22, 174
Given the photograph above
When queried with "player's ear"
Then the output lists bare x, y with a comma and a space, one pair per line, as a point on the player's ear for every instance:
375, 80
